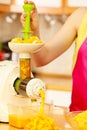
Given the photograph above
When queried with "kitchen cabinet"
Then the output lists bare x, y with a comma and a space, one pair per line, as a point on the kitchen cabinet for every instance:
77, 3
71, 5
44, 7
57, 7
5, 2
5, 5
45, 3
50, 6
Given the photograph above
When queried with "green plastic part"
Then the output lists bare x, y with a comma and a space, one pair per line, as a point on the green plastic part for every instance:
27, 8
16, 85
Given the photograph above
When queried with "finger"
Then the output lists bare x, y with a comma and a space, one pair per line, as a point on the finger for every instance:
22, 17
24, 14
28, 2
22, 21
25, 1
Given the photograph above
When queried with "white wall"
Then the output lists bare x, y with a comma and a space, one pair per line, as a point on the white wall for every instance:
63, 64
58, 98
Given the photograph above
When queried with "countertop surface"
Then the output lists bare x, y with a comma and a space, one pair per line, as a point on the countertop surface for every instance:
61, 122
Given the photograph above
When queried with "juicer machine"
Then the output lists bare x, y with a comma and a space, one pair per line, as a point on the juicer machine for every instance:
17, 84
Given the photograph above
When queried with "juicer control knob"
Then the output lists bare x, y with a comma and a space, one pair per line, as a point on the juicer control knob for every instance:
33, 88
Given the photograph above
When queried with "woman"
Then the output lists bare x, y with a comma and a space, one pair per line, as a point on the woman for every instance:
75, 28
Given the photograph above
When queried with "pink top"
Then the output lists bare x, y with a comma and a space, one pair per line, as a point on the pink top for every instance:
79, 90
79, 74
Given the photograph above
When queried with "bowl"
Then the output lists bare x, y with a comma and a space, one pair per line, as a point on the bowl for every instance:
24, 47
19, 115
77, 119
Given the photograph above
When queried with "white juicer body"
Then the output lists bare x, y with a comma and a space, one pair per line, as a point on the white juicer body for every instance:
9, 71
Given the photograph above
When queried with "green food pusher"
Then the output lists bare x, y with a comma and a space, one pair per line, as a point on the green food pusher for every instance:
27, 31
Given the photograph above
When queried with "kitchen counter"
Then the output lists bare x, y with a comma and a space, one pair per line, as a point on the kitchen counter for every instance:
61, 121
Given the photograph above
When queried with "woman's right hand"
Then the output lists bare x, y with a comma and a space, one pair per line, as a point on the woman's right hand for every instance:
34, 20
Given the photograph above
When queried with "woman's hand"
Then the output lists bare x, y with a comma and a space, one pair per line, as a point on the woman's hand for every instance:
34, 20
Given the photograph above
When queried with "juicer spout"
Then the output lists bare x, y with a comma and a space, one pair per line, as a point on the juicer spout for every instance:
29, 87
